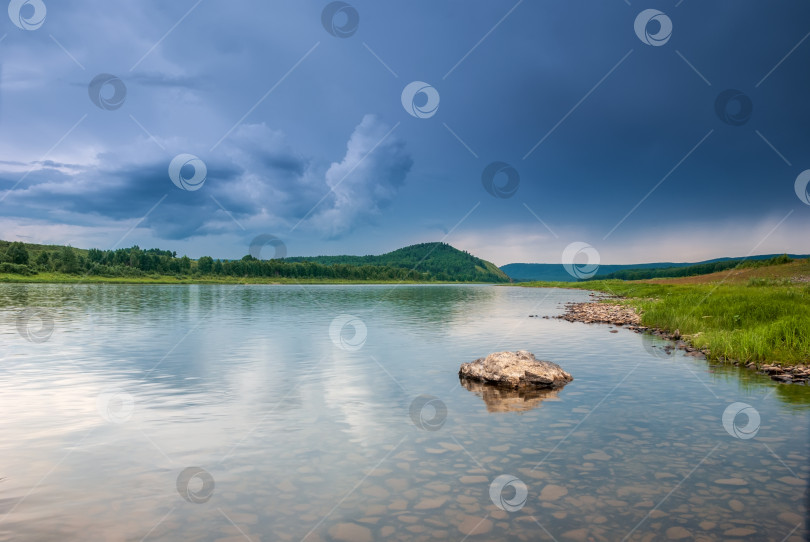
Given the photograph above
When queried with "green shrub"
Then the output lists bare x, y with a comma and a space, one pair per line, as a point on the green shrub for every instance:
17, 253
19, 269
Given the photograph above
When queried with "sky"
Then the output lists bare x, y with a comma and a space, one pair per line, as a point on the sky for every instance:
649, 130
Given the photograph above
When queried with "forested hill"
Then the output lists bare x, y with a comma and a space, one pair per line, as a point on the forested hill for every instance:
528, 272
427, 262
440, 260
694, 270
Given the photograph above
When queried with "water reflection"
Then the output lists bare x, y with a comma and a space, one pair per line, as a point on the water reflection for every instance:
748, 381
306, 438
502, 399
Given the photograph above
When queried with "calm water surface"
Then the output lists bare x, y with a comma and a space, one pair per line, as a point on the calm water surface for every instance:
298, 433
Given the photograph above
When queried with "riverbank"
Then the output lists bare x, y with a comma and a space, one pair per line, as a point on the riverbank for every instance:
597, 312
759, 324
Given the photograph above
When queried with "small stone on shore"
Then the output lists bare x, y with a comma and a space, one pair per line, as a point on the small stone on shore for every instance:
602, 313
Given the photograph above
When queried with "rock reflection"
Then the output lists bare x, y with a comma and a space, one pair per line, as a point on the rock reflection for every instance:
501, 399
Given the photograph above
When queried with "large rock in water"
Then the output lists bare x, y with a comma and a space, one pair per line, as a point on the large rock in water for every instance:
516, 370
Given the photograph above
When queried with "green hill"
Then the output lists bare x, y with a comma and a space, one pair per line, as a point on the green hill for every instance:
426, 262
440, 260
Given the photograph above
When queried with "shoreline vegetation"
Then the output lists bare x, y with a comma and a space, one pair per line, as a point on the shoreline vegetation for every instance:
428, 263
756, 316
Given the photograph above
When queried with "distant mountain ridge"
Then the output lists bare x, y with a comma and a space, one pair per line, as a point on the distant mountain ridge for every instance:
526, 272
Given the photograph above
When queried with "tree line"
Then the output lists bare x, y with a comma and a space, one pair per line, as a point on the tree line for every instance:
424, 262
439, 260
136, 262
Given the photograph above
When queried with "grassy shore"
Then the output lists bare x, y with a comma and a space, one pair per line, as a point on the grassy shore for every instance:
753, 315
65, 278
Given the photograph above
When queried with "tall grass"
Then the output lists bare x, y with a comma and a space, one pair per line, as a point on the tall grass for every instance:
761, 322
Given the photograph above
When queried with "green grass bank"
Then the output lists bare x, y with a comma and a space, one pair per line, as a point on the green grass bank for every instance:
763, 320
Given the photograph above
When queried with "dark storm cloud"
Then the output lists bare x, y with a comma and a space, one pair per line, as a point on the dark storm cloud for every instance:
254, 173
593, 118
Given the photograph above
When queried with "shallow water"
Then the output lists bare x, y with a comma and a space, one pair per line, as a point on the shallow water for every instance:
302, 433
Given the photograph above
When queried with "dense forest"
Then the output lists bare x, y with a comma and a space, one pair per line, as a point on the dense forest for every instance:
425, 263
440, 260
